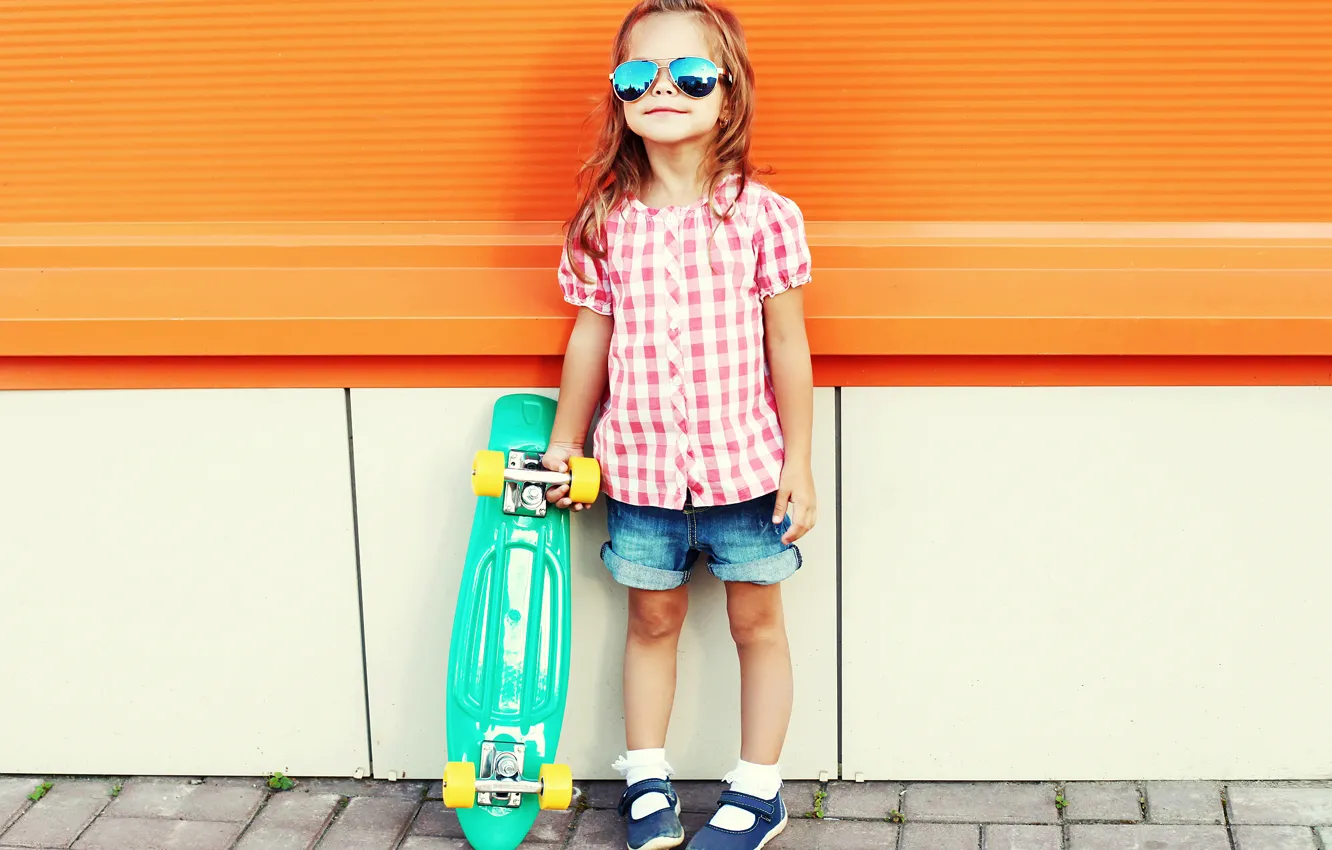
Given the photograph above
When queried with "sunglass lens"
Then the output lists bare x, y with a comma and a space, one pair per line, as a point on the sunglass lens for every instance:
633, 79
695, 76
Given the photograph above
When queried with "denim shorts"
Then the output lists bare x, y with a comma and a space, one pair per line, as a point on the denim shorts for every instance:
654, 548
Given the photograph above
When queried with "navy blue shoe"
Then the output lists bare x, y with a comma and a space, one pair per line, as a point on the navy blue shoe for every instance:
660, 830
769, 821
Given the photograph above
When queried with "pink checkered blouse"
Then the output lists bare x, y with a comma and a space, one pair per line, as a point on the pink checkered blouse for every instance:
690, 406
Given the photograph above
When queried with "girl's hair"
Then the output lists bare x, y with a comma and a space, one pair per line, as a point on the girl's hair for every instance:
619, 167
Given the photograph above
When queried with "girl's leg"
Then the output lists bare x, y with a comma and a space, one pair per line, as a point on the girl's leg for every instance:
758, 626
655, 620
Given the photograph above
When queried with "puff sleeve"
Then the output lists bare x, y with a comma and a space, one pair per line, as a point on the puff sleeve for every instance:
782, 250
595, 296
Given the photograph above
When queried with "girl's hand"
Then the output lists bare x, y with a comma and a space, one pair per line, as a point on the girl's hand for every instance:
556, 459
797, 486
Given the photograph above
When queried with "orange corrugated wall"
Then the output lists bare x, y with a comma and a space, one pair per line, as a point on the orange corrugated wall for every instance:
971, 110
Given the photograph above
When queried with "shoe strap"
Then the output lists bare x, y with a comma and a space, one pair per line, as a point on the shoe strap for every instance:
646, 786
757, 806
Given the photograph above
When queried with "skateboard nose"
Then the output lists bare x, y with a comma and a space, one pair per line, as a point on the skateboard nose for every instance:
532, 412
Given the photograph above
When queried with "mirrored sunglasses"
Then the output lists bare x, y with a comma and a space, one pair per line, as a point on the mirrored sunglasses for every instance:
694, 76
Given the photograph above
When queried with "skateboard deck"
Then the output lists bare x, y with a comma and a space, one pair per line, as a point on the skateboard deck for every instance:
508, 670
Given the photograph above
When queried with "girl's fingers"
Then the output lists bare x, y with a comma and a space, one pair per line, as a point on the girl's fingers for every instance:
555, 461
801, 523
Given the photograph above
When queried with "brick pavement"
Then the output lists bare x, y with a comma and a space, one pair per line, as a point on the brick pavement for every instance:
174, 813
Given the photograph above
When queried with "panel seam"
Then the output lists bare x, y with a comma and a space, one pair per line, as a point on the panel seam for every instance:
837, 524
360, 589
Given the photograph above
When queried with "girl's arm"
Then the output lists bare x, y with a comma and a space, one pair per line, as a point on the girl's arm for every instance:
793, 384
581, 385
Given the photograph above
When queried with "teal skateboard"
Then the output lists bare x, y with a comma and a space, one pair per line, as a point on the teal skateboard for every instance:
509, 655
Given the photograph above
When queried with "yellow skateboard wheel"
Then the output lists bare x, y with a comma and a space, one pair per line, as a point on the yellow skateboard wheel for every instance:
556, 786
488, 474
459, 785
586, 484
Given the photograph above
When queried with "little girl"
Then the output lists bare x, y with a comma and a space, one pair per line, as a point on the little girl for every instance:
690, 338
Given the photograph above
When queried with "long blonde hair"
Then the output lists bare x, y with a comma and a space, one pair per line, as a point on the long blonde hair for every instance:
619, 166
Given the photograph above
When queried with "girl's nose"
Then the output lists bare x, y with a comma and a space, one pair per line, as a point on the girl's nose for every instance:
663, 84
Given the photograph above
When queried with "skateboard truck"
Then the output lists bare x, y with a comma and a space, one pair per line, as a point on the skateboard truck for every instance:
522, 481
500, 783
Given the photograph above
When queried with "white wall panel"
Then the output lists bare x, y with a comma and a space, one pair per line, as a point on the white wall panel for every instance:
413, 459
179, 584
1107, 583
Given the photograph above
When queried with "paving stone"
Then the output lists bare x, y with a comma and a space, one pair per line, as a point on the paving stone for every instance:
1274, 838
1095, 836
414, 789
14, 793
435, 821
813, 834
695, 795
290, 822
799, 797
427, 842
1023, 838
1184, 802
1251, 804
1325, 836
369, 823
599, 829
58, 818
861, 799
157, 834
236, 782
603, 793
1117, 801
186, 801
981, 802
940, 836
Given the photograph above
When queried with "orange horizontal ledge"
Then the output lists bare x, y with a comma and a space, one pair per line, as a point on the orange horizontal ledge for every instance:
483, 290
86, 373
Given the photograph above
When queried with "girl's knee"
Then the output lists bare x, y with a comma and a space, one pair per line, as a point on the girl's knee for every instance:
756, 618
657, 615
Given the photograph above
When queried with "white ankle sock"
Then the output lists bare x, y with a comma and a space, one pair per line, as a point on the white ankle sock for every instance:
758, 780
637, 765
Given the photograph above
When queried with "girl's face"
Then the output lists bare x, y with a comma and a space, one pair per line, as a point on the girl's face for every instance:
664, 115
